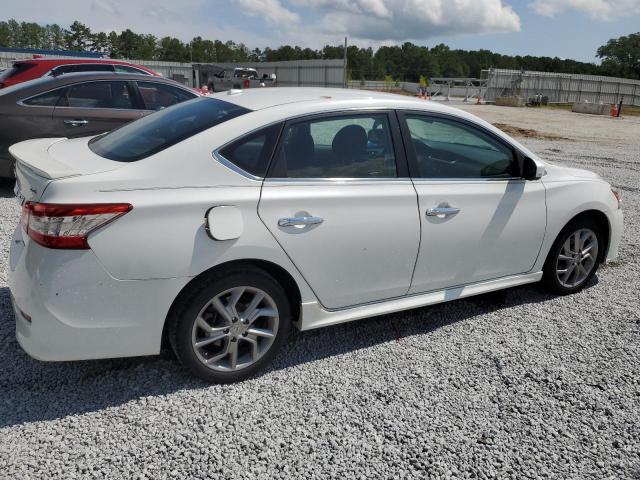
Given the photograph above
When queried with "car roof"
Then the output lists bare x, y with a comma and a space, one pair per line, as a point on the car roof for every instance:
82, 76
325, 99
43, 84
71, 60
288, 102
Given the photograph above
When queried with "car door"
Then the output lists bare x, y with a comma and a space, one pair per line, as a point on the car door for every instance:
24, 116
92, 107
339, 202
156, 96
32, 116
480, 219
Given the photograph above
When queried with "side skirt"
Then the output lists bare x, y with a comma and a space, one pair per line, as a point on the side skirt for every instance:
313, 315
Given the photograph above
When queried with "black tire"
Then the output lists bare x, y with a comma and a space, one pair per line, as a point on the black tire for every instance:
184, 314
550, 278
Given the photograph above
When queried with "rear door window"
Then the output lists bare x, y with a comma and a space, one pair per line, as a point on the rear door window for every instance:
160, 130
98, 95
157, 96
346, 146
48, 99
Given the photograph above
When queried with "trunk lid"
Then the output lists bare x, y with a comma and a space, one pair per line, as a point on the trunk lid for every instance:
43, 160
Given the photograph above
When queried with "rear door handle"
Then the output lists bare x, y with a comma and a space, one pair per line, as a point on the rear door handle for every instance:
76, 123
442, 212
299, 221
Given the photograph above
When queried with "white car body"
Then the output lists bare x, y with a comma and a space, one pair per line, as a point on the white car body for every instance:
375, 252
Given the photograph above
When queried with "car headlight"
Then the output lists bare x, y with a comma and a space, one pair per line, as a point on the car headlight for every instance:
618, 196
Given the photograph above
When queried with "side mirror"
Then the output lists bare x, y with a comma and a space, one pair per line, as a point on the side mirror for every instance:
531, 170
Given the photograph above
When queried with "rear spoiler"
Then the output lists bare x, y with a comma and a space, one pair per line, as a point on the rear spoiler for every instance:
34, 155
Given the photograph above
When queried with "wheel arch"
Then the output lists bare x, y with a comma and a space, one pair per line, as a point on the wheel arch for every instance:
600, 218
276, 271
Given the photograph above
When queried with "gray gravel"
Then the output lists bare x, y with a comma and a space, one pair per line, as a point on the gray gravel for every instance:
518, 384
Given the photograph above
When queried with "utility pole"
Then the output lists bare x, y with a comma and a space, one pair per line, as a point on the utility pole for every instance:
345, 63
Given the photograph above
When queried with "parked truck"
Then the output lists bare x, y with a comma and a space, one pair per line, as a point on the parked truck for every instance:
239, 78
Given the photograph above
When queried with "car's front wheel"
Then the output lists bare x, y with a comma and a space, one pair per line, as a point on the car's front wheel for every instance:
574, 257
230, 325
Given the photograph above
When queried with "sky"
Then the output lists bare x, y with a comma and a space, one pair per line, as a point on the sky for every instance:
563, 28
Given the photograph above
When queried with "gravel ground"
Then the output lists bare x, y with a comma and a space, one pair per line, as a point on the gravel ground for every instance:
518, 384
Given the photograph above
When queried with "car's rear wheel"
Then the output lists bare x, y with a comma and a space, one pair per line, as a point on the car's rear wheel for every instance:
231, 325
574, 257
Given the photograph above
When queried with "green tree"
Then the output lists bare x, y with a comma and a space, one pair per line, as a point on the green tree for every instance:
223, 52
100, 43
622, 55
203, 51
5, 35
173, 50
406, 62
56, 37
78, 37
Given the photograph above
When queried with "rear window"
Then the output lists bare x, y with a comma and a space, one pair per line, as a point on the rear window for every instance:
15, 69
160, 130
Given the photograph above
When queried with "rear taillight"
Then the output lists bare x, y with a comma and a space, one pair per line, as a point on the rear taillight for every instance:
246, 83
67, 226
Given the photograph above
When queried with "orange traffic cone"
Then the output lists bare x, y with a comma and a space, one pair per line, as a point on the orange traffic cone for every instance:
614, 110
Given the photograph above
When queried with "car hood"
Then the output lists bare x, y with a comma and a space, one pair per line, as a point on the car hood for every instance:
556, 173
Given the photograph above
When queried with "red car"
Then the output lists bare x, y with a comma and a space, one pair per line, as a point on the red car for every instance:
28, 69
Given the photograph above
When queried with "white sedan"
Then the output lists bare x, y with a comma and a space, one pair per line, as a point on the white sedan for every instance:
215, 225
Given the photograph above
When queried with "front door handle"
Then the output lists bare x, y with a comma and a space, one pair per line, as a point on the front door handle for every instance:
299, 221
442, 212
76, 123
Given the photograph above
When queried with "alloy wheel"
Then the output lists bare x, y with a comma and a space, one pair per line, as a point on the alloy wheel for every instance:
235, 329
577, 258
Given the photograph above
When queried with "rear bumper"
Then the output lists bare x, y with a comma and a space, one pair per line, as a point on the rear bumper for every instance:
67, 307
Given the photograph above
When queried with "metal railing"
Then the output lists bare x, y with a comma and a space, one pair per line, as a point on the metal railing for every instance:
561, 87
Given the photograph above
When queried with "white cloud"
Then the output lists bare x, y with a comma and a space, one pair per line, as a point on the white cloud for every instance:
271, 10
260, 23
374, 7
383, 20
183, 19
105, 7
597, 9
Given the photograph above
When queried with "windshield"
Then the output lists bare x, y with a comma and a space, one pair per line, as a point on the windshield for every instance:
160, 130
